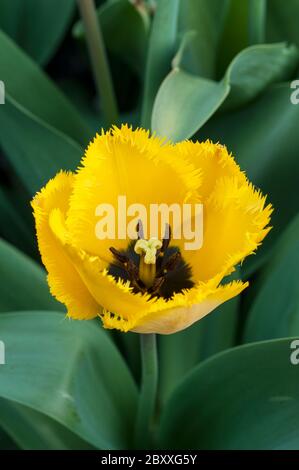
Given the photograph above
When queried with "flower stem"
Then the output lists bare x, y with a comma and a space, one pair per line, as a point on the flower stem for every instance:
99, 60
147, 400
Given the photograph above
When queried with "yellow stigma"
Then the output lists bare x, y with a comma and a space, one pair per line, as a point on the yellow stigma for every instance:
147, 250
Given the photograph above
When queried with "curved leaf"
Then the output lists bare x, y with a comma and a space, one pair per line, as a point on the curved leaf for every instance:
36, 150
257, 67
180, 352
161, 49
13, 227
39, 38
205, 18
282, 21
34, 431
184, 102
27, 84
275, 309
244, 398
71, 372
24, 284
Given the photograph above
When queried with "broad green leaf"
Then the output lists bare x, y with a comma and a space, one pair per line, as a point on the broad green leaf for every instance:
205, 18
244, 398
129, 345
6, 443
244, 25
24, 284
234, 36
125, 27
71, 372
13, 227
219, 329
274, 312
257, 67
35, 25
184, 103
161, 50
282, 21
27, 84
264, 139
36, 150
180, 352
35, 431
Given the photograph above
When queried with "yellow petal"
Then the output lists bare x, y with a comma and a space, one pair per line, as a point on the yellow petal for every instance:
64, 281
167, 317
128, 163
105, 290
235, 214
178, 315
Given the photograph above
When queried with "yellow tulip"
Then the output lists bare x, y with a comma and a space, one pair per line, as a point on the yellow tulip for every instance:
146, 286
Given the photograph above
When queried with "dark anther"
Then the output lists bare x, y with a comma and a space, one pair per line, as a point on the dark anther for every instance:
139, 229
172, 262
166, 239
156, 286
123, 259
165, 244
132, 270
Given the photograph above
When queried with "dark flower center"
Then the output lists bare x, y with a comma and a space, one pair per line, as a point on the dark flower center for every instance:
171, 275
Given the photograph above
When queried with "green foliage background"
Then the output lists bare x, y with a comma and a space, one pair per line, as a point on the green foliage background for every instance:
218, 69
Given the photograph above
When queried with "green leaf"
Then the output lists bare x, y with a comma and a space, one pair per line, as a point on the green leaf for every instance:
36, 26
13, 227
244, 398
71, 372
161, 49
36, 150
219, 329
257, 67
184, 103
214, 333
27, 84
282, 21
125, 26
35, 431
234, 35
178, 354
264, 139
24, 284
205, 18
6, 443
275, 309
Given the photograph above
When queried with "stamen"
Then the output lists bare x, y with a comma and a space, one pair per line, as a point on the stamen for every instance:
172, 262
121, 258
166, 239
154, 290
147, 250
139, 230
149, 273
